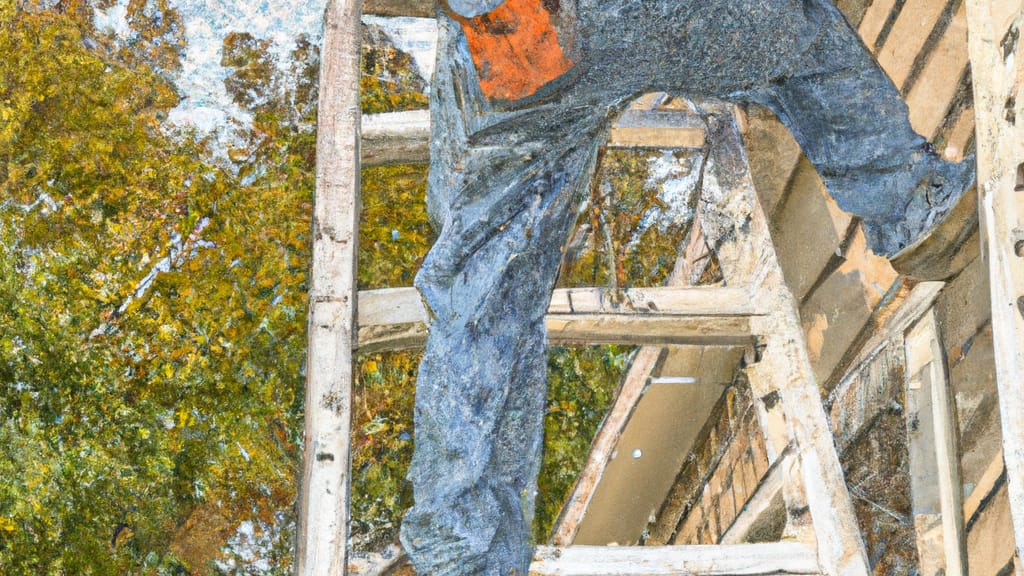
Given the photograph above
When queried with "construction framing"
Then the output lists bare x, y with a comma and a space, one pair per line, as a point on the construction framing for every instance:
799, 438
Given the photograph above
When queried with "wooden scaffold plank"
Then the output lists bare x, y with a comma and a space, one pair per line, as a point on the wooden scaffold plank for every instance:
395, 318
997, 69
404, 137
722, 560
321, 547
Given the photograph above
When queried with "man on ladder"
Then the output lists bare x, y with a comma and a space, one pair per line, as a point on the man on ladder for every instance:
523, 95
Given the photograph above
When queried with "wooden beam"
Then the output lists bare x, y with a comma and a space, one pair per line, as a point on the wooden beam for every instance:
395, 318
649, 329
403, 137
668, 300
935, 485
997, 72
737, 230
417, 8
986, 485
396, 138
657, 129
322, 543
734, 560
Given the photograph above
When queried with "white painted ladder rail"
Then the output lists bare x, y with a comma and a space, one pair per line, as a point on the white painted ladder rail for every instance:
737, 230
997, 69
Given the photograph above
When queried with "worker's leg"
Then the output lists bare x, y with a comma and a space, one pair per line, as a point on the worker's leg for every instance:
853, 126
504, 191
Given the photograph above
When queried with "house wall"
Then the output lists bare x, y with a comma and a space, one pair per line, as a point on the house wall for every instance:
846, 294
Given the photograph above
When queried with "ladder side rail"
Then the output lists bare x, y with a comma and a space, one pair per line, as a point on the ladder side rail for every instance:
745, 250
997, 70
322, 547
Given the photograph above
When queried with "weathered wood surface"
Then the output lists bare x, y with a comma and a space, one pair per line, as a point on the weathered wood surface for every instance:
396, 138
657, 129
404, 137
997, 68
321, 548
417, 8
734, 560
935, 483
738, 230
395, 318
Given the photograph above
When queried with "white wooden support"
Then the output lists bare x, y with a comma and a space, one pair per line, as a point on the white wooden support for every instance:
321, 548
395, 318
935, 485
404, 137
737, 230
722, 560
997, 69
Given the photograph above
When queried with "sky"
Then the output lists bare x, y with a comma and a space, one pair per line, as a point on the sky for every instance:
205, 104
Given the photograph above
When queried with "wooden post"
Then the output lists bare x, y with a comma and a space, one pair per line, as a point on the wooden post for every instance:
997, 69
935, 485
321, 549
738, 230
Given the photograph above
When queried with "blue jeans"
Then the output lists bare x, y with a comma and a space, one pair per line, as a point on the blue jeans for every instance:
505, 186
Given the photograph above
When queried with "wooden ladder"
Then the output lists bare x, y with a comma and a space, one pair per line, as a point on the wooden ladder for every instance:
803, 457
997, 68
756, 307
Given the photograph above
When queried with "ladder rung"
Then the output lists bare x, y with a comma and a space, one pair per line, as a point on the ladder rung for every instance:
418, 8
403, 137
649, 329
708, 560
394, 318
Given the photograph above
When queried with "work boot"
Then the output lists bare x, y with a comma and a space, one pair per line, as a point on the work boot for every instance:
930, 242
